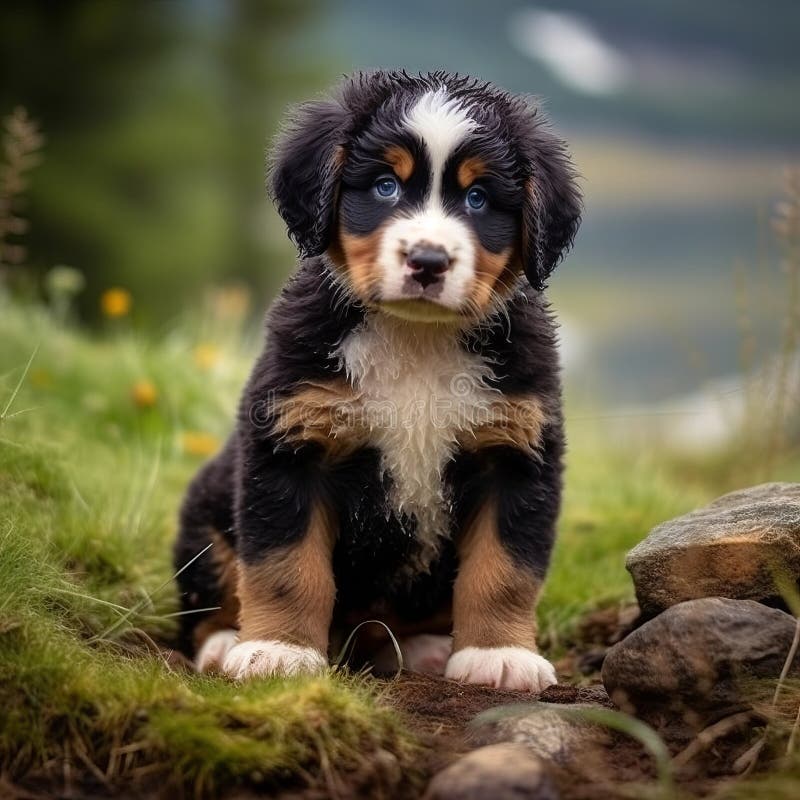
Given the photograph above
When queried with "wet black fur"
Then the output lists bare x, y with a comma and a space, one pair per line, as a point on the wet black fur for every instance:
259, 490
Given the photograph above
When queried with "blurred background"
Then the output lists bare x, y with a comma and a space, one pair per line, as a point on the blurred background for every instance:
137, 255
682, 118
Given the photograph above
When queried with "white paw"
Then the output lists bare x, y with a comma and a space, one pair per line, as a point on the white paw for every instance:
212, 653
426, 652
501, 667
272, 658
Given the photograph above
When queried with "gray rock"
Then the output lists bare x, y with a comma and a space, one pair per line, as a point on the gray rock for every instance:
500, 771
698, 658
543, 728
735, 547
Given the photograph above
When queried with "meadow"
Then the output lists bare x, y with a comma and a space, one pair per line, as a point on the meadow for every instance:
99, 434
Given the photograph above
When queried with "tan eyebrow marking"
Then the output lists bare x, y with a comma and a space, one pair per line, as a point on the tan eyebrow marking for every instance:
469, 169
400, 160
289, 595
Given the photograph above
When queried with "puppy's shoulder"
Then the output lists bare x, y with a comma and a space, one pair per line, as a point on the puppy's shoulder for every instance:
522, 345
303, 327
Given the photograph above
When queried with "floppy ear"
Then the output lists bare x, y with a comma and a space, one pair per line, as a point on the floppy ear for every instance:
305, 168
552, 209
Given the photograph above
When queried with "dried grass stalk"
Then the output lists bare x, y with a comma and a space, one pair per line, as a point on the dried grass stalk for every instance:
22, 143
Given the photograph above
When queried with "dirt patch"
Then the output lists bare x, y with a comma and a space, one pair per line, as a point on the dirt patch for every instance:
439, 712
435, 704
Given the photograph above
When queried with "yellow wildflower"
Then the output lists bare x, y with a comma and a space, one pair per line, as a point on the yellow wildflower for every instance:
144, 393
197, 443
206, 356
230, 302
116, 302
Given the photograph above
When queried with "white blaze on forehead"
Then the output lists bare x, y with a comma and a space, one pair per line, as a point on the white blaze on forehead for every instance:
441, 123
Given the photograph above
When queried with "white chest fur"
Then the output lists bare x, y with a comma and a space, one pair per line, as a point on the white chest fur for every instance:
420, 392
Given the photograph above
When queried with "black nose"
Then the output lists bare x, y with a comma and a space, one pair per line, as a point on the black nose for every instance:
427, 263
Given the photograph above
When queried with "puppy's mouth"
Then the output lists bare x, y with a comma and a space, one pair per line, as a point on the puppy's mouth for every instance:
420, 269
420, 309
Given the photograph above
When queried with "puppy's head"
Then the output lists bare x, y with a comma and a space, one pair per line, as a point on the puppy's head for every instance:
431, 194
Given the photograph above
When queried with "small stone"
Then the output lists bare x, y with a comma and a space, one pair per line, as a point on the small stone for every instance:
735, 547
500, 772
554, 732
699, 658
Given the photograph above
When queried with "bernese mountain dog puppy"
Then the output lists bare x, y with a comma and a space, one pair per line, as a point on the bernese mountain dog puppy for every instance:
398, 448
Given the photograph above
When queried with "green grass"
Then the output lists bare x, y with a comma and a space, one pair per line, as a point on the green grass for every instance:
612, 499
95, 451
89, 485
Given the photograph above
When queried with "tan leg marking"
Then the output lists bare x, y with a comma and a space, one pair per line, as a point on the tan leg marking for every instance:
286, 607
513, 421
227, 616
493, 600
289, 596
494, 628
400, 160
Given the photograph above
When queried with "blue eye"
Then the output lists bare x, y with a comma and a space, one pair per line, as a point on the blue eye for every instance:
386, 187
476, 198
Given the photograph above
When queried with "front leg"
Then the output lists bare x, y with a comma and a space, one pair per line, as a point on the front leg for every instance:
286, 589
508, 502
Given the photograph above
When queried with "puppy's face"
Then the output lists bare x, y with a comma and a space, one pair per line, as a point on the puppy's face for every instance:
431, 194
429, 214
